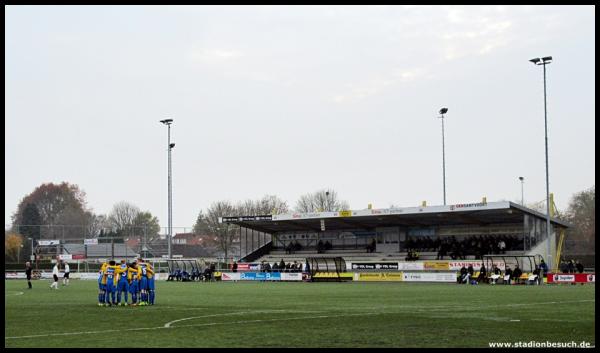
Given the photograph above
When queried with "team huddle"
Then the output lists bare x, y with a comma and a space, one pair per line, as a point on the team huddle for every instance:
115, 282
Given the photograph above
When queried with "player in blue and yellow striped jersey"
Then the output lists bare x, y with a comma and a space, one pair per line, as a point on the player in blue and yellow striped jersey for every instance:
101, 285
123, 283
133, 274
150, 285
110, 277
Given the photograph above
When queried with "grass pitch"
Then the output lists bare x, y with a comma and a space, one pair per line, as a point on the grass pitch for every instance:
225, 314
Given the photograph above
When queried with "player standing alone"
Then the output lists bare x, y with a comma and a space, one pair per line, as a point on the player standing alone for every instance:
55, 277
66, 275
28, 273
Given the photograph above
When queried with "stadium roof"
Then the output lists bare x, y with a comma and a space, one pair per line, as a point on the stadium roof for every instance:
458, 214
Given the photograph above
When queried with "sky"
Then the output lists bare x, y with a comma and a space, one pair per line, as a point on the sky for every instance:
288, 100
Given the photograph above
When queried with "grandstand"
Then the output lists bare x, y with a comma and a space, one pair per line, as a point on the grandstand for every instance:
459, 231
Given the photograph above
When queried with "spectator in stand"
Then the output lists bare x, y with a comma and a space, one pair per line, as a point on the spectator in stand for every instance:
307, 267
501, 246
371, 247
320, 246
281, 265
579, 266
571, 266
507, 275
234, 267
275, 267
564, 268
482, 273
517, 273
267, 267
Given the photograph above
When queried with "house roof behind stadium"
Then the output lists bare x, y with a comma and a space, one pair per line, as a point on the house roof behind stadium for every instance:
458, 214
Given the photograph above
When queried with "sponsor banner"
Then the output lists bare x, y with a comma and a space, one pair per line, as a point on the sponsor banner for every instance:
571, 278
248, 267
391, 211
65, 257
14, 275
457, 265
379, 276
297, 276
436, 265
246, 218
90, 241
333, 275
429, 277
260, 276
78, 257
411, 266
374, 265
230, 276
48, 242
345, 213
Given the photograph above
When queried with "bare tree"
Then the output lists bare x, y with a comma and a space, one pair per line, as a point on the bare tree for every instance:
271, 204
95, 224
322, 200
225, 233
123, 216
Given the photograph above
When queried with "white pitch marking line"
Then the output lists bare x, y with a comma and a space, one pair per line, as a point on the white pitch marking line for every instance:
17, 293
248, 321
193, 325
168, 324
515, 320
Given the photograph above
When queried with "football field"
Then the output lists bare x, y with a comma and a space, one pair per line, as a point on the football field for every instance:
255, 314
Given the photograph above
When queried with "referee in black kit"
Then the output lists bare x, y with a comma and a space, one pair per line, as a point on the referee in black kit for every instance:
28, 273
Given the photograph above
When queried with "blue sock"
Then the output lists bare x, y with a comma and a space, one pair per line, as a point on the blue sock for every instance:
151, 296
99, 297
133, 298
125, 295
118, 296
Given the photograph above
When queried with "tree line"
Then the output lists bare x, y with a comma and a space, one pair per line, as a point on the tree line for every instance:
64, 207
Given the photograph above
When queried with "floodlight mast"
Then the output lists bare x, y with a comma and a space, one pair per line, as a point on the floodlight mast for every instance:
545, 61
170, 146
442, 112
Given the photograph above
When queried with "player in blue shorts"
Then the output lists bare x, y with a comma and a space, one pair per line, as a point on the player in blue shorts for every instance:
134, 278
101, 285
150, 275
143, 282
110, 275
123, 284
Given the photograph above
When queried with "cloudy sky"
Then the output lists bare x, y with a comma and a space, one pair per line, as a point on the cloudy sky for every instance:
287, 100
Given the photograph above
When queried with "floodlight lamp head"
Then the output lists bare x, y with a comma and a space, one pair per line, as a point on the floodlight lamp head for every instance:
521, 178
443, 110
547, 59
167, 121
535, 60
172, 145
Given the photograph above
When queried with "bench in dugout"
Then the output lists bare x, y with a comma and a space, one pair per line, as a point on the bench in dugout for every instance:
184, 270
328, 269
